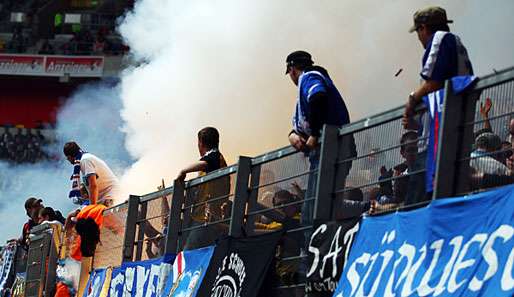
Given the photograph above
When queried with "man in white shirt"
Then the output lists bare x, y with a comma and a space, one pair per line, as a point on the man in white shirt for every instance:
101, 183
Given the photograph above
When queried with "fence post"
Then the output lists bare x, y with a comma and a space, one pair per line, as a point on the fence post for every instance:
130, 228
455, 141
241, 194
174, 220
326, 173
141, 230
252, 198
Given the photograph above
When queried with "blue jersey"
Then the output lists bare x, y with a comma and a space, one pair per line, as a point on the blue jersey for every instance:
434, 103
309, 84
445, 57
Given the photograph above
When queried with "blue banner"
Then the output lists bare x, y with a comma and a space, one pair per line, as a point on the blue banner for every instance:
96, 282
188, 271
141, 279
453, 247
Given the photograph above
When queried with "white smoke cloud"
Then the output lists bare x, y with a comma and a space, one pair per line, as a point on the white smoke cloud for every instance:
221, 63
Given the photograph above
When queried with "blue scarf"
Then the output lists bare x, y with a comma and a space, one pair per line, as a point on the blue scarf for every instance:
75, 195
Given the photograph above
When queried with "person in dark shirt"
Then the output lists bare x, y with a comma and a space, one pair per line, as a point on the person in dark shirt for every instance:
204, 211
32, 208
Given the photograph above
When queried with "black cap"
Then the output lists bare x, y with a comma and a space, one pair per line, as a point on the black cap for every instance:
32, 202
302, 58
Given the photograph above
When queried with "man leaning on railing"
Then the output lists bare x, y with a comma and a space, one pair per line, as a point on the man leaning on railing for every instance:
445, 57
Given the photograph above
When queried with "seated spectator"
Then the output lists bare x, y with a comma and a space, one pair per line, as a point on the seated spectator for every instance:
350, 204
484, 159
211, 159
402, 184
481, 179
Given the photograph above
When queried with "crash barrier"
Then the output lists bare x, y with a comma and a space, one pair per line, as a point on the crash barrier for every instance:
42, 255
371, 162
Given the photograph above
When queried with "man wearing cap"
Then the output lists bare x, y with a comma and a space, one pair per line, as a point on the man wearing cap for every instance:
318, 103
32, 208
445, 56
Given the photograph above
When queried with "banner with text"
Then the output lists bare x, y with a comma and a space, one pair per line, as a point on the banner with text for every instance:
239, 266
141, 279
328, 248
40, 65
454, 247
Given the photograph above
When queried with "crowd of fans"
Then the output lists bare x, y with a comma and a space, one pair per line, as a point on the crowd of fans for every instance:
19, 147
93, 35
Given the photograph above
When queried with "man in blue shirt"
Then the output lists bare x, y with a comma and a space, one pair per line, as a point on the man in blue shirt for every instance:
445, 57
319, 102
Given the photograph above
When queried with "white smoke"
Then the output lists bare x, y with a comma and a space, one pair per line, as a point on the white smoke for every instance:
91, 117
221, 63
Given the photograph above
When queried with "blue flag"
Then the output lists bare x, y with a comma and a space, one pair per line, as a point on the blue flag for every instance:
453, 247
188, 271
434, 103
95, 283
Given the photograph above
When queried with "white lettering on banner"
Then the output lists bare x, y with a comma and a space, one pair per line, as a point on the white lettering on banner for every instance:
414, 262
71, 67
348, 239
115, 282
320, 230
407, 287
507, 282
490, 256
22, 67
334, 250
453, 286
129, 280
424, 289
154, 274
141, 277
456, 242
353, 276
230, 279
387, 255
373, 259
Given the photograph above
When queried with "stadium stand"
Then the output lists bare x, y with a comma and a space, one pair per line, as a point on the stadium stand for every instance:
61, 27
371, 160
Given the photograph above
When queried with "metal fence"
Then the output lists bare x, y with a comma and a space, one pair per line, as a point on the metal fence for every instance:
488, 162
370, 165
110, 249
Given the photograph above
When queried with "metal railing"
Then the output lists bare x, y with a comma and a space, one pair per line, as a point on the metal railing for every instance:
373, 159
